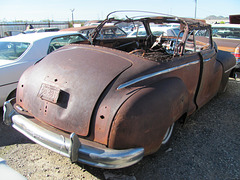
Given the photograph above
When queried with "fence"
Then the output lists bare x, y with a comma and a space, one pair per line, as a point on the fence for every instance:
15, 28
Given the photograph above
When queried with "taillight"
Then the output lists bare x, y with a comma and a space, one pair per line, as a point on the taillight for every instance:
237, 53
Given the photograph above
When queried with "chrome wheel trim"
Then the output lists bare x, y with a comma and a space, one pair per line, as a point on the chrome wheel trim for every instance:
168, 134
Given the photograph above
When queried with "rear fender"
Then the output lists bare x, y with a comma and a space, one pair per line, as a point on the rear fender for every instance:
228, 62
144, 118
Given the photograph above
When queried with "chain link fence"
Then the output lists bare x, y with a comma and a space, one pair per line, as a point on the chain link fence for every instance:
14, 28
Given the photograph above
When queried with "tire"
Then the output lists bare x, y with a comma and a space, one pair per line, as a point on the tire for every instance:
168, 134
11, 95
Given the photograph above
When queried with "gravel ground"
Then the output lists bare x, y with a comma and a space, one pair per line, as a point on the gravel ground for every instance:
206, 147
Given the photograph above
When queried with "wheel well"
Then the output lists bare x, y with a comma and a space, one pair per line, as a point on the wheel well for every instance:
12, 94
182, 120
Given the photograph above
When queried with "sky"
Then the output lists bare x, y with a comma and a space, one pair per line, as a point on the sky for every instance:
60, 10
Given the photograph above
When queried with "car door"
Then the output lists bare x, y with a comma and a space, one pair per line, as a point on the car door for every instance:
211, 69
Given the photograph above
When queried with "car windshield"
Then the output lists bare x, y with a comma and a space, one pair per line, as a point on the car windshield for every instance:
12, 50
226, 32
177, 32
157, 30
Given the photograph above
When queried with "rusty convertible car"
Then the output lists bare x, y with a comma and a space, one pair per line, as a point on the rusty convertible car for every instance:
112, 101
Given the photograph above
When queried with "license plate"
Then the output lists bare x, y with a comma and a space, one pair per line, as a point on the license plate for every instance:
49, 93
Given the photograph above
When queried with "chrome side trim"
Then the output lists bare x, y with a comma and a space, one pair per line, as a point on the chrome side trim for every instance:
206, 60
8, 84
71, 147
134, 81
229, 69
235, 66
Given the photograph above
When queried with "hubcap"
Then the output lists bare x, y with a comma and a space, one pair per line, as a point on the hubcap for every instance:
168, 134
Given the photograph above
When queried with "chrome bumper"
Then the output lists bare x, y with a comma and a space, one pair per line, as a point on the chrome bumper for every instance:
71, 147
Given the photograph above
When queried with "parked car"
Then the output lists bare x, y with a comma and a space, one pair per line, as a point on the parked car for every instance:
92, 23
108, 32
227, 37
156, 31
12, 33
39, 30
109, 106
19, 52
7, 171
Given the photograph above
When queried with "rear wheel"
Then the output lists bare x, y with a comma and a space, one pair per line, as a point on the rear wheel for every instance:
11, 95
168, 134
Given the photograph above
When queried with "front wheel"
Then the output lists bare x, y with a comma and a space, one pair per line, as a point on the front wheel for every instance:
168, 134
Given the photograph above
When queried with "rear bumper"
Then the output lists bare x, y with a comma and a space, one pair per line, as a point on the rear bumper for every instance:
71, 147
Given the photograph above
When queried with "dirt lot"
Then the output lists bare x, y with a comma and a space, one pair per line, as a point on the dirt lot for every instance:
206, 147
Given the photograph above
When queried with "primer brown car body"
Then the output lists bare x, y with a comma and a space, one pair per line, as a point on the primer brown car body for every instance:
118, 105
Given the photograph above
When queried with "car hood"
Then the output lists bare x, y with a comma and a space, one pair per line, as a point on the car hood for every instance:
63, 88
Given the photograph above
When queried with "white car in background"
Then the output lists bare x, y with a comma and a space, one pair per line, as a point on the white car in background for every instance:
9, 173
19, 52
156, 31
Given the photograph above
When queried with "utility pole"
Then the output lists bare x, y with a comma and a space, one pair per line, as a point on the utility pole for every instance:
72, 15
195, 9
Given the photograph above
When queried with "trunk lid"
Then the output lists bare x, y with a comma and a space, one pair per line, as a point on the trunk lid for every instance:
63, 89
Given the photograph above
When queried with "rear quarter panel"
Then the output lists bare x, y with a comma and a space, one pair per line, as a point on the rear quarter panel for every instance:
144, 118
